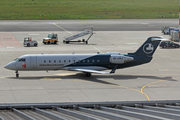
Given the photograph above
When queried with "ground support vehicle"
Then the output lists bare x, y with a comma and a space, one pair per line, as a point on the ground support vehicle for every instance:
51, 39
169, 44
29, 42
75, 36
167, 30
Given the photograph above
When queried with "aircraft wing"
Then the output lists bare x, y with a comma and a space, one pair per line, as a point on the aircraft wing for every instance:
89, 71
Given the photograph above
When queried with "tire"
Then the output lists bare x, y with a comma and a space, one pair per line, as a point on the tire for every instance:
88, 74
48, 42
164, 46
55, 42
67, 42
35, 44
86, 42
177, 46
28, 45
17, 75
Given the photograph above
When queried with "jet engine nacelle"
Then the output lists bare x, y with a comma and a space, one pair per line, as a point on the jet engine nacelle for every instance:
120, 59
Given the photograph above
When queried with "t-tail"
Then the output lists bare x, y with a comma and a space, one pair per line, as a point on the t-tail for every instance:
148, 47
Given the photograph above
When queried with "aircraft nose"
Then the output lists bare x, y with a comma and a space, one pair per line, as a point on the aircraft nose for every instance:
9, 66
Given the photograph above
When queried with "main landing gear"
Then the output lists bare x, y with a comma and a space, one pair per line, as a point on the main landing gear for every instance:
17, 74
88, 74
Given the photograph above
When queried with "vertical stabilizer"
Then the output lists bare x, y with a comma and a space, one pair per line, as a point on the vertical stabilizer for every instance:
148, 47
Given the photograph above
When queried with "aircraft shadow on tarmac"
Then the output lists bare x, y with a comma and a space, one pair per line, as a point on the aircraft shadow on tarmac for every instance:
96, 78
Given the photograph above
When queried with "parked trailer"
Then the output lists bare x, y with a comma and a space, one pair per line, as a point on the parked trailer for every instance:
75, 36
174, 36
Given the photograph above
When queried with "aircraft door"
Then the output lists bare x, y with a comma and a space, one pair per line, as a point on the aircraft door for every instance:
33, 61
74, 61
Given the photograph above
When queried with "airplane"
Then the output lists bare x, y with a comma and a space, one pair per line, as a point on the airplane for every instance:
86, 63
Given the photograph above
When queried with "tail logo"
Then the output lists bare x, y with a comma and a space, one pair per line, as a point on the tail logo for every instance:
148, 48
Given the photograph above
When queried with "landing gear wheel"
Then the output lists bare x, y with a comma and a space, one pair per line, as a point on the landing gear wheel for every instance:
28, 44
88, 74
17, 74
86, 42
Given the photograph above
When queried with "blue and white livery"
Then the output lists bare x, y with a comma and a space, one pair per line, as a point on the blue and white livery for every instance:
86, 63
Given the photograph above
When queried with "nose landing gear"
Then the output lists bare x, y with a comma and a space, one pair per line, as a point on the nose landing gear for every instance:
17, 74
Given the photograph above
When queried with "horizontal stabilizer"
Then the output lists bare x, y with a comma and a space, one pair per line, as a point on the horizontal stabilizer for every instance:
162, 39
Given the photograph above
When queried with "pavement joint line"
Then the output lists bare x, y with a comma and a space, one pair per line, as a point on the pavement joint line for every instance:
96, 48
62, 28
15, 40
150, 33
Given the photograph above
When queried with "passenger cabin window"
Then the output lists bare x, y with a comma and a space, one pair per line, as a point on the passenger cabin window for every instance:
64, 60
49, 60
59, 60
44, 61
54, 60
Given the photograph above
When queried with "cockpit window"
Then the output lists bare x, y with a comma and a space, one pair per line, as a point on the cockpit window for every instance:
16, 59
20, 59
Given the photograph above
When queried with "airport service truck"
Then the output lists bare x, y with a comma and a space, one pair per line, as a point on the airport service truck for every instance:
167, 30
29, 42
51, 39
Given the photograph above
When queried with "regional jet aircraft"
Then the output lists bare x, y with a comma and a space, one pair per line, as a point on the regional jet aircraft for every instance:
86, 63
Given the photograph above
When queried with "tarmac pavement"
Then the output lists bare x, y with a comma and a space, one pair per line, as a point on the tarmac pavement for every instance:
157, 80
